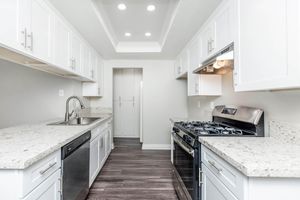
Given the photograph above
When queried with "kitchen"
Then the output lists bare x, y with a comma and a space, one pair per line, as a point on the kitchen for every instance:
79, 77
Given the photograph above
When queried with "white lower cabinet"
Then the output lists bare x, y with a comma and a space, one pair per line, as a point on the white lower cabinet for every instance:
94, 159
40, 181
100, 148
212, 188
50, 189
221, 181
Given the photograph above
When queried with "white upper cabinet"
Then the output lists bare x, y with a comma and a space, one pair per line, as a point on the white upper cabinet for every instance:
62, 44
181, 65
218, 32
40, 37
209, 39
35, 34
76, 46
267, 45
95, 89
224, 23
177, 66
14, 19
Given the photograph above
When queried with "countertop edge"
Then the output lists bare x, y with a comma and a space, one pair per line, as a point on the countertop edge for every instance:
47, 152
256, 173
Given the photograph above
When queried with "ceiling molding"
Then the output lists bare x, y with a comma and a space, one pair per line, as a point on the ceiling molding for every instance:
121, 46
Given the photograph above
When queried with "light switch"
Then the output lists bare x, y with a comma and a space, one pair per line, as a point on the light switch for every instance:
199, 103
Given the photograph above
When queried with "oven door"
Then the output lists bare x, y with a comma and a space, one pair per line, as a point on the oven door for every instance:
185, 160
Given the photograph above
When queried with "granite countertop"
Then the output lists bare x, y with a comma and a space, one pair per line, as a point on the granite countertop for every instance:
22, 146
274, 156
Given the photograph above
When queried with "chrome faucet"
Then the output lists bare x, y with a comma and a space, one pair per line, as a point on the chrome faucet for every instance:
68, 115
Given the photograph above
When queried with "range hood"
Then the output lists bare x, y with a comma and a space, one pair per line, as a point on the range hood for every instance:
220, 63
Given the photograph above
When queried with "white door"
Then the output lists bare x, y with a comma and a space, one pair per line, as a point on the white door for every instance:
40, 38
127, 83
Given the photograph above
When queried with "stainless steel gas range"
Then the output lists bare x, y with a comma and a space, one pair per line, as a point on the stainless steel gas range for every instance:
227, 121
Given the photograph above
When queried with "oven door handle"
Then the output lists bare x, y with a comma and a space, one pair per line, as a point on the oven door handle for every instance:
188, 150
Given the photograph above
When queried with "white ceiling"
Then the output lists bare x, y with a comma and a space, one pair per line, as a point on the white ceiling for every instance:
172, 24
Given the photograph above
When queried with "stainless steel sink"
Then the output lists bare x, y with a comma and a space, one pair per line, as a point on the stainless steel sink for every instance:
79, 121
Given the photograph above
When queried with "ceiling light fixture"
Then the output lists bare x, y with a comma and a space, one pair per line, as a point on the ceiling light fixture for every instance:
147, 34
122, 6
127, 34
151, 8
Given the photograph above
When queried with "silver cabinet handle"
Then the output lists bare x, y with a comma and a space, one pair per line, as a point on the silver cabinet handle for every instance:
133, 101
24, 32
213, 164
211, 44
48, 168
31, 41
99, 90
75, 64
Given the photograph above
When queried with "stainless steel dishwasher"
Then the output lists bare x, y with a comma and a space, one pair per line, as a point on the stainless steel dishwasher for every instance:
75, 168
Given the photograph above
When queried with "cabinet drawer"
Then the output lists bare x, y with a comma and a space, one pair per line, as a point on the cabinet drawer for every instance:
50, 189
40, 171
213, 188
98, 130
229, 176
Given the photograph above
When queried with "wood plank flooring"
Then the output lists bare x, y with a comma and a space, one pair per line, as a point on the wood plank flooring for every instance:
133, 174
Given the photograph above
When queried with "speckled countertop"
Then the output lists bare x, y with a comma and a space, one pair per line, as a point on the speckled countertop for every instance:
22, 146
274, 156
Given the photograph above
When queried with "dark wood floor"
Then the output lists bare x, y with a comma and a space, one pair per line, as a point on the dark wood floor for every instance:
133, 174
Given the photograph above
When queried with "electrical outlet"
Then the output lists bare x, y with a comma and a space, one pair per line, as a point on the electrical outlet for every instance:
61, 92
212, 105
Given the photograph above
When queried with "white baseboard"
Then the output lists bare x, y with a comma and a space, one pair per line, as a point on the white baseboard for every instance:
123, 136
156, 146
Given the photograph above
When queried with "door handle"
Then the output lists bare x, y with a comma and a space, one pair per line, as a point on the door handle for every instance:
48, 168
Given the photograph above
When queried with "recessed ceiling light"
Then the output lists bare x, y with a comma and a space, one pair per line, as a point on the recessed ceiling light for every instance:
127, 34
122, 6
151, 8
147, 34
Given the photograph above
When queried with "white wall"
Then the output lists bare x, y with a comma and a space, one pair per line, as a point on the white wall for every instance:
163, 96
31, 96
282, 106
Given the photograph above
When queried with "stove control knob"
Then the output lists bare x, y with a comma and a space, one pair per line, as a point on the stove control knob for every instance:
176, 130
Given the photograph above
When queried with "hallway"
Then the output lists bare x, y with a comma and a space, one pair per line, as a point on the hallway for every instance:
133, 174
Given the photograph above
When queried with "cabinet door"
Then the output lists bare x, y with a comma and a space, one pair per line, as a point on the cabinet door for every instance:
14, 19
94, 159
267, 49
185, 61
100, 78
213, 189
85, 59
224, 25
76, 47
62, 44
41, 36
50, 189
195, 54
178, 66
102, 152
209, 40
93, 64
107, 142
